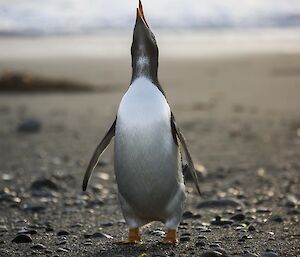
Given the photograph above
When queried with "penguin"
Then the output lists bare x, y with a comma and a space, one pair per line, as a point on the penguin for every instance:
148, 145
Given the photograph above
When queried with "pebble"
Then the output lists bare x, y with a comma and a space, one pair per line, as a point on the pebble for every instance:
38, 247
62, 250
184, 238
220, 203
22, 238
63, 233
157, 232
268, 254
98, 235
291, 201
34, 207
211, 254
238, 217
30, 125
263, 210
27, 232
42, 183
3, 228
276, 218
202, 229
218, 221
251, 228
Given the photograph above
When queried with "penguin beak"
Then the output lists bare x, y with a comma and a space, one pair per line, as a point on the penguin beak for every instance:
140, 17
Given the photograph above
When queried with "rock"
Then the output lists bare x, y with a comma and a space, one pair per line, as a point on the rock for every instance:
220, 203
276, 218
22, 238
30, 125
203, 229
268, 254
238, 217
98, 235
185, 238
263, 210
42, 183
34, 208
62, 250
106, 224
251, 228
27, 232
63, 233
211, 254
7, 177
157, 232
38, 247
3, 228
291, 201
218, 221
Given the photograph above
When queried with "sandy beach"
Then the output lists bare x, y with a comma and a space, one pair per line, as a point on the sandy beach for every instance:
238, 107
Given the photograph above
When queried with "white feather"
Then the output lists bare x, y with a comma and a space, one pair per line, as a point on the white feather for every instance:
147, 160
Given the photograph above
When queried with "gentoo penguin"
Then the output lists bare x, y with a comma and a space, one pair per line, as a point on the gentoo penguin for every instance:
147, 152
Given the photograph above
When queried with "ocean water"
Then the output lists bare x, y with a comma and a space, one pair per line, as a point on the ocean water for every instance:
38, 17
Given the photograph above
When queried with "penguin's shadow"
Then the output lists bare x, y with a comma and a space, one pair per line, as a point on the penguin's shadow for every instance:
148, 248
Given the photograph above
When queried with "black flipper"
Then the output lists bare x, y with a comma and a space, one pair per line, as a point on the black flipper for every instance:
96, 156
177, 133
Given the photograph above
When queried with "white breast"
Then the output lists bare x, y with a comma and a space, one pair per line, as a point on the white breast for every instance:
146, 156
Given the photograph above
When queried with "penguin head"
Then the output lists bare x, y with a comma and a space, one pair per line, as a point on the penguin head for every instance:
144, 50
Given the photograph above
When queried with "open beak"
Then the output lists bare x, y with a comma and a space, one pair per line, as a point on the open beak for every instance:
140, 13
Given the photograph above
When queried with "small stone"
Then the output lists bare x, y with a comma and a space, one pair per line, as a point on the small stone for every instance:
251, 228
27, 232
184, 238
22, 238
3, 228
38, 247
63, 233
211, 254
220, 203
276, 218
30, 125
106, 224
291, 201
203, 229
263, 210
42, 183
7, 177
157, 232
187, 215
62, 250
34, 208
268, 254
101, 235
218, 221
238, 217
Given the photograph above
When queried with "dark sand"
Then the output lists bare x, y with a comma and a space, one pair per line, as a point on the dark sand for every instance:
240, 115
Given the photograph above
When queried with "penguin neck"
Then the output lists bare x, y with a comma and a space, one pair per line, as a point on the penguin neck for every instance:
142, 66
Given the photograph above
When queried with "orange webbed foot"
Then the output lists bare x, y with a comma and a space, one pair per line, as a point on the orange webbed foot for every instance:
133, 237
170, 238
